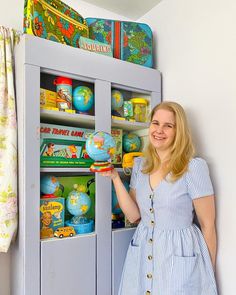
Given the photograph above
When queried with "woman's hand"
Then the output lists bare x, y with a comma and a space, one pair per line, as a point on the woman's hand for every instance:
113, 174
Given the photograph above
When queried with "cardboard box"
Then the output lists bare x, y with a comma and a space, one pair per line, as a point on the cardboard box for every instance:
48, 99
117, 135
52, 211
63, 146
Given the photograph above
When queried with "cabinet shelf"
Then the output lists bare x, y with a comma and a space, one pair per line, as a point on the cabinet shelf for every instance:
62, 118
124, 229
64, 170
82, 236
127, 125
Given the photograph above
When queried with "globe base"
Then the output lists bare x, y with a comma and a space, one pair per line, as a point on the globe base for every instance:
82, 228
101, 167
82, 112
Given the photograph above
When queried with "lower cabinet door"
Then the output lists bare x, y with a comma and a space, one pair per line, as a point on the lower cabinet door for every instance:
68, 266
120, 243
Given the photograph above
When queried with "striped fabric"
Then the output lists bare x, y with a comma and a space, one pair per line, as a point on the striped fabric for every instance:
168, 254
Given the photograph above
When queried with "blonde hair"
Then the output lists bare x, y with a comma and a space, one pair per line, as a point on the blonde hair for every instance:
182, 149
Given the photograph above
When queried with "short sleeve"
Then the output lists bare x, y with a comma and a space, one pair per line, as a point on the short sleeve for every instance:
135, 171
198, 179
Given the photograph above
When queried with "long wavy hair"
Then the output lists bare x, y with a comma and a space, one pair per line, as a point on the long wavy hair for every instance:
182, 149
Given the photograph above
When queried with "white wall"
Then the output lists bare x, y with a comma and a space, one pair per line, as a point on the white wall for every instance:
11, 15
196, 54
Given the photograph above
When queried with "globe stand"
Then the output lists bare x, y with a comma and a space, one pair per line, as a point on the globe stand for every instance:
101, 166
81, 224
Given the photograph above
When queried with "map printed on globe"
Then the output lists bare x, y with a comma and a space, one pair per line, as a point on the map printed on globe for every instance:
83, 98
117, 99
100, 146
131, 143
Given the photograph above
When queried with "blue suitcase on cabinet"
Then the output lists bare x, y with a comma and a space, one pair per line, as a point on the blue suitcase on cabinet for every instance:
130, 41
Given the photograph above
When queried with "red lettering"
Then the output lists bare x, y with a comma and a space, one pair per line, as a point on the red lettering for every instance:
77, 133
45, 130
60, 131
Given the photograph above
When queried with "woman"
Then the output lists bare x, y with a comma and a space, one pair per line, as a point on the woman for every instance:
168, 254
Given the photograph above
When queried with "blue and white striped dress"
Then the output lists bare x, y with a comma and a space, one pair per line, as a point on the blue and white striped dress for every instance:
168, 254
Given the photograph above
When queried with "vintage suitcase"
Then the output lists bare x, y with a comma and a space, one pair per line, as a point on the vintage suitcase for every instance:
54, 20
130, 41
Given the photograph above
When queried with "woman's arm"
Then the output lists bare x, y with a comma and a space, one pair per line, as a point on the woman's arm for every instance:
205, 210
127, 201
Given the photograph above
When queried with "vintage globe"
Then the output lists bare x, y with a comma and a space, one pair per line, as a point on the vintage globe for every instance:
78, 203
117, 100
100, 146
83, 99
49, 184
131, 143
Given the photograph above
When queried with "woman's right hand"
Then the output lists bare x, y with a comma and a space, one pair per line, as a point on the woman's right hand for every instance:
113, 174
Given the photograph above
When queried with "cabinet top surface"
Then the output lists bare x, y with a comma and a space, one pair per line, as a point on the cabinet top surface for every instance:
78, 63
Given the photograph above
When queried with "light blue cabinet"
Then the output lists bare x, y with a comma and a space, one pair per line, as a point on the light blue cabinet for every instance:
68, 266
82, 265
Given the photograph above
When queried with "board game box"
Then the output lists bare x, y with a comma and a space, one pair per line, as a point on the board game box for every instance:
117, 135
63, 146
52, 211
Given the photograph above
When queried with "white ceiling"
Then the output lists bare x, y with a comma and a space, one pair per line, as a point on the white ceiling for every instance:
132, 9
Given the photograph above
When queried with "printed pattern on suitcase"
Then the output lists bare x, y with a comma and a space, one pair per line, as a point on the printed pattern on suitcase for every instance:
130, 41
54, 20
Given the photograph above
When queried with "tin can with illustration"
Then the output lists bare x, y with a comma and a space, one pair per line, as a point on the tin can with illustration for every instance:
139, 109
64, 93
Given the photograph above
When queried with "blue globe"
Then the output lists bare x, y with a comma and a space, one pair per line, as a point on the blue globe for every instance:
115, 205
117, 99
78, 203
100, 146
83, 99
49, 184
131, 143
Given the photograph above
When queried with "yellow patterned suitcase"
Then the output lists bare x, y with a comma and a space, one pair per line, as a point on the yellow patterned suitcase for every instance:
54, 20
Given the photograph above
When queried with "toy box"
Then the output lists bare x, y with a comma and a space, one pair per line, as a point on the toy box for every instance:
48, 99
52, 211
62, 146
117, 135
86, 183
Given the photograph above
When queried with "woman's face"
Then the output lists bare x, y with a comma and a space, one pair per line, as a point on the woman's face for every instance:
162, 130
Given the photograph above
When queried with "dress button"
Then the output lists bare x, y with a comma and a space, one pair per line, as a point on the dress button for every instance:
148, 293
151, 210
150, 241
149, 257
151, 197
152, 222
149, 276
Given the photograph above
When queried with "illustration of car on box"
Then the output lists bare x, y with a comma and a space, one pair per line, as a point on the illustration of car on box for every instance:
66, 231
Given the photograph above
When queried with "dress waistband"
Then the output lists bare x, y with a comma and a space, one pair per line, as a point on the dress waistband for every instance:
167, 225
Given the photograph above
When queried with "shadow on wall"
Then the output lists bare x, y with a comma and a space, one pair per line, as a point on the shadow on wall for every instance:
5, 273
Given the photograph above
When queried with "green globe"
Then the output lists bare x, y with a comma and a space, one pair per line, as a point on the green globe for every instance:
83, 99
